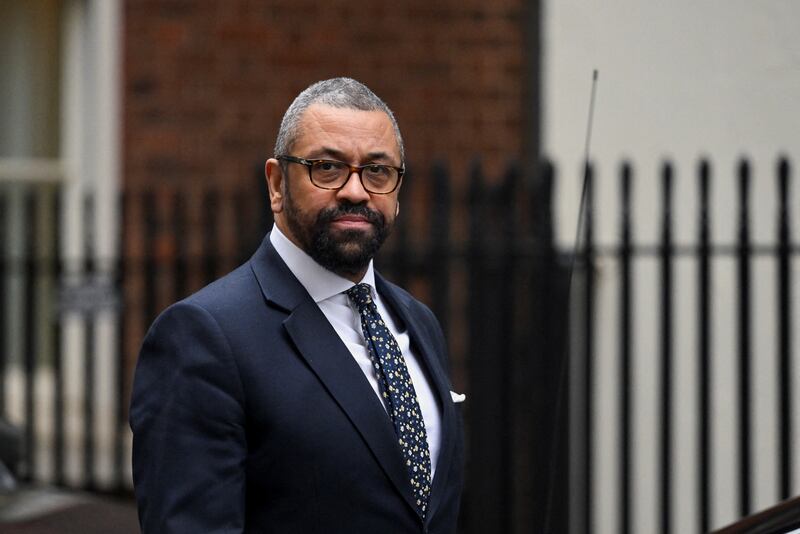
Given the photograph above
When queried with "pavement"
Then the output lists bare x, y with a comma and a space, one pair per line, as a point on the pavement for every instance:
46, 510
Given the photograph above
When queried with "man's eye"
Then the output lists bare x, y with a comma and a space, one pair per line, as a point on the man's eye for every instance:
326, 166
377, 170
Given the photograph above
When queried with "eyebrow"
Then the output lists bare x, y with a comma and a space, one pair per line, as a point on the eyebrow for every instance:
338, 154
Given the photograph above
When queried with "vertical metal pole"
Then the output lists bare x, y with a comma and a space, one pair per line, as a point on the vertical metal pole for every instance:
588, 347
122, 362
545, 373
150, 232
4, 270
400, 258
503, 268
477, 497
58, 364
29, 339
486, 499
179, 234
626, 330
89, 397
241, 212
784, 333
704, 350
743, 254
666, 351
210, 235
90, 351
440, 250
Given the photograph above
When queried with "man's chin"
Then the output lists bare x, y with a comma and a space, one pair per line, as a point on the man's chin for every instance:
345, 259
351, 249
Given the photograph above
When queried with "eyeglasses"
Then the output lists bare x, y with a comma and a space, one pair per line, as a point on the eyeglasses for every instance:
331, 174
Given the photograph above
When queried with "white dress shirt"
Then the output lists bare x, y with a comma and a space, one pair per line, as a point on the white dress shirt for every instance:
327, 289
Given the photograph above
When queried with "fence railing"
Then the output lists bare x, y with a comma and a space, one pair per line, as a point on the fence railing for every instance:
595, 412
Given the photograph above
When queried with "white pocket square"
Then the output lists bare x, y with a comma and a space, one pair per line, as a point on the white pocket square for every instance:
457, 397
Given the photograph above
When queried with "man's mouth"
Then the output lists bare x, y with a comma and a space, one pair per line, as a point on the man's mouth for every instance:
352, 222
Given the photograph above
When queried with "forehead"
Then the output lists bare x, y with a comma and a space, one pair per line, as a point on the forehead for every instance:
352, 132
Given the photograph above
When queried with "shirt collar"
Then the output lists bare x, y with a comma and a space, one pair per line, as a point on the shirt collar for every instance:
320, 283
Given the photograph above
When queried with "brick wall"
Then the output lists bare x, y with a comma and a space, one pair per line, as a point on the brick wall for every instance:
207, 81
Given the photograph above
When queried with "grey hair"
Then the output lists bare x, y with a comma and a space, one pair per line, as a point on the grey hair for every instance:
336, 92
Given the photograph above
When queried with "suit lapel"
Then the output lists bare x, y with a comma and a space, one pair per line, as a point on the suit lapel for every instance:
424, 347
326, 355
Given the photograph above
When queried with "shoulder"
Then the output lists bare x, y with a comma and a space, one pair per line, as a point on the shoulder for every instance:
228, 289
200, 319
404, 298
415, 310
211, 314
229, 298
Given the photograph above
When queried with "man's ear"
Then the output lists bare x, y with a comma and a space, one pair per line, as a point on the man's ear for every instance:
274, 176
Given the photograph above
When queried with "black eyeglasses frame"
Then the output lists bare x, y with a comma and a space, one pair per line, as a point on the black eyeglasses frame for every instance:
309, 164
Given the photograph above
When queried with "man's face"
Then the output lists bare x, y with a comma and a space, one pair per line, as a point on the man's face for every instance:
342, 229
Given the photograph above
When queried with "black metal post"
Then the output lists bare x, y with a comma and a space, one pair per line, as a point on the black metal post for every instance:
784, 332
149, 216
122, 362
486, 499
58, 364
704, 350
4, 270
588, 346
666, 351
626, 331
29, 338
90, 269
440, 249
210, 235
180, 235
543, 373
503, 268
90, 353
400, 264
743, 255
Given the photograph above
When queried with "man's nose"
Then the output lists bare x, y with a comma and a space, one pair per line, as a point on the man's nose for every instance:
353, 190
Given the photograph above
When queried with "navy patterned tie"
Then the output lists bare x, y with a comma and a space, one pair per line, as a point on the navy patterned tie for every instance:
398, 393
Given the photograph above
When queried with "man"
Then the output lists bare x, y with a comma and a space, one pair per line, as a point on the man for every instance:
302, 392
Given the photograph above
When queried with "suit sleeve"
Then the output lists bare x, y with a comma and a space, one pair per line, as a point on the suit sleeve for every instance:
187, 417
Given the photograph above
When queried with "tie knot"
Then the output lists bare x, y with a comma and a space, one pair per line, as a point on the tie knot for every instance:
361, 295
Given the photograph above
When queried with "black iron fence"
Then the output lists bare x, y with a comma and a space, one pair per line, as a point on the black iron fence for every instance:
743, 252
485, 257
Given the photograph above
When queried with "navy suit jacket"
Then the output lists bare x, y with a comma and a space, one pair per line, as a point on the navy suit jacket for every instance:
250, 415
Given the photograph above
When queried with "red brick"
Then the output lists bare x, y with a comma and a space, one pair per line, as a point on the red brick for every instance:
219, 74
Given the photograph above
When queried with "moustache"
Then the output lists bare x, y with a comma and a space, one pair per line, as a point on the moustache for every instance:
327, 215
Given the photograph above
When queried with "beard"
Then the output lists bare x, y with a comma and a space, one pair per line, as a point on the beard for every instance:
346, 253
